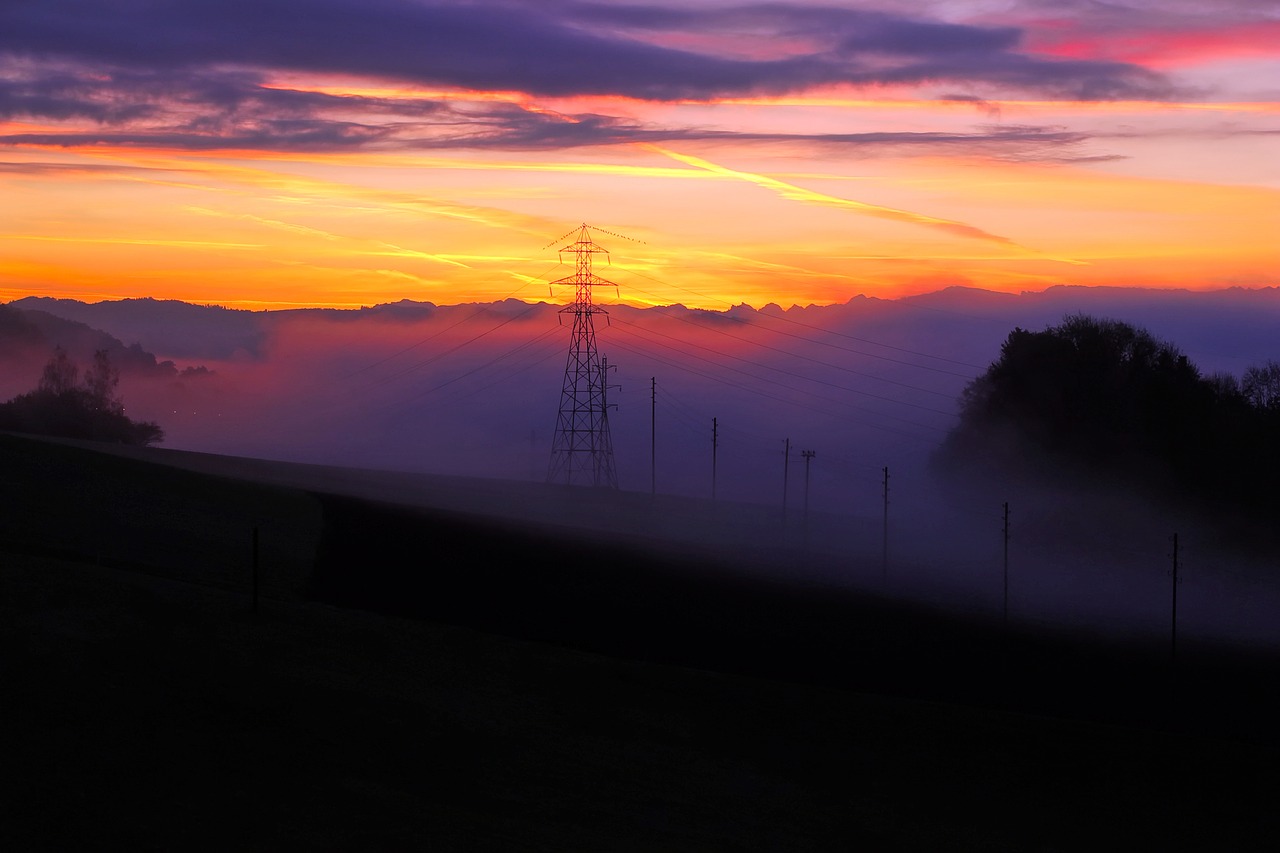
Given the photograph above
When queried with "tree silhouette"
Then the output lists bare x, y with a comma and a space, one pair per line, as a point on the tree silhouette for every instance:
1261, 386
1105, 401
63, 407
60, 374
101, 381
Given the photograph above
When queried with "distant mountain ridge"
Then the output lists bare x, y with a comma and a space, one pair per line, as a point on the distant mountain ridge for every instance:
184, 330
1233, 323
172, 328
34, 333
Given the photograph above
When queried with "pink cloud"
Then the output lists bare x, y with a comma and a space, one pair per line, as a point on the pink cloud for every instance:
1156, 47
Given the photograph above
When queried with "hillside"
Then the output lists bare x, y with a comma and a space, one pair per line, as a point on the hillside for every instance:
437, 676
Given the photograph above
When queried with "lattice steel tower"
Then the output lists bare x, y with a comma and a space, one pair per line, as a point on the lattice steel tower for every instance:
582, 451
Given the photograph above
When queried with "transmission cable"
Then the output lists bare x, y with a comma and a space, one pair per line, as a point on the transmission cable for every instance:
795, 322
792, 373
683, 366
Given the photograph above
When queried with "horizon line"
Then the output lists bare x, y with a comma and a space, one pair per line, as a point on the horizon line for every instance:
243, 304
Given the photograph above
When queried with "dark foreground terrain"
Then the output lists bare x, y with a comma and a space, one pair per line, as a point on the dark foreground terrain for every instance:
442, 680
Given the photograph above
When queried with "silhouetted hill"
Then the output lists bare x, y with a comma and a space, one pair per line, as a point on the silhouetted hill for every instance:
181, 330
616, 588
175, 329
442, 677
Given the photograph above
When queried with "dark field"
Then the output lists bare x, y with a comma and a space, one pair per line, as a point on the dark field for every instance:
439, 679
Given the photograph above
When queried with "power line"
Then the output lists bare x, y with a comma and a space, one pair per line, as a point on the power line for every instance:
545, 355
472, 371
479, 310
411, 368
760, 379
790, 402
694, 422
795, 322
792, 374
946, 395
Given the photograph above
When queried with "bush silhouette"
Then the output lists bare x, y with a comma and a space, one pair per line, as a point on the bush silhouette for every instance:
62, 406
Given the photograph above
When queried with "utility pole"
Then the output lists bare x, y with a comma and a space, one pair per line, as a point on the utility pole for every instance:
533, 454
582, 449
884, 546
1006, 563
1173, 625
715, 446
786, 464
808, 455
255, 568
653, 435
605, 367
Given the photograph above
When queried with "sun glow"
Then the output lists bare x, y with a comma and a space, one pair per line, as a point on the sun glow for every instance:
346, 185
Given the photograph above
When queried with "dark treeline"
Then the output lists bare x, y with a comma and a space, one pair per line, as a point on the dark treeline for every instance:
1101, 401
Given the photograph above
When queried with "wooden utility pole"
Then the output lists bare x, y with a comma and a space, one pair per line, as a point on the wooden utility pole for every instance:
533, 454
1173, 622
653, 435
884, 545
1006, 562
715, 446
255, 569
786, 465
808, 455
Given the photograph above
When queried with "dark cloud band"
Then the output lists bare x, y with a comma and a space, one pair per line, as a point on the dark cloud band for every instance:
197, 73
550, 49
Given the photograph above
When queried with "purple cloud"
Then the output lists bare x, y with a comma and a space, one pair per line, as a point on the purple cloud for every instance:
197, 73
214, 109
552, 49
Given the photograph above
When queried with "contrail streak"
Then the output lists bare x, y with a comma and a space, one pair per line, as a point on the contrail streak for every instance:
795, 193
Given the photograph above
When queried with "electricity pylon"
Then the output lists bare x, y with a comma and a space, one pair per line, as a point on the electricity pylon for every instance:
581, 450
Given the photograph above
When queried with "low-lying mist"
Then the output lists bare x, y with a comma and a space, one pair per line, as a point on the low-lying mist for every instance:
871, 385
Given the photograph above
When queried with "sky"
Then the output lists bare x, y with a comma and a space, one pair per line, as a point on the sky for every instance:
280, 153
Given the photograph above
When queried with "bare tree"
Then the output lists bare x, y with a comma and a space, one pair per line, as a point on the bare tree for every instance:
59, 374
1224, 384
1261, 385
101, 380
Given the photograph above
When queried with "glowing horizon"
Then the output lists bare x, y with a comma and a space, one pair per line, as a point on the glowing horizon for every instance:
866, 152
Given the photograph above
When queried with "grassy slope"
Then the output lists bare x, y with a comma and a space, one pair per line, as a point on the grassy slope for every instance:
146, 706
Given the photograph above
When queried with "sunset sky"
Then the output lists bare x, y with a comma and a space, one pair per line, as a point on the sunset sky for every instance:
280, 153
